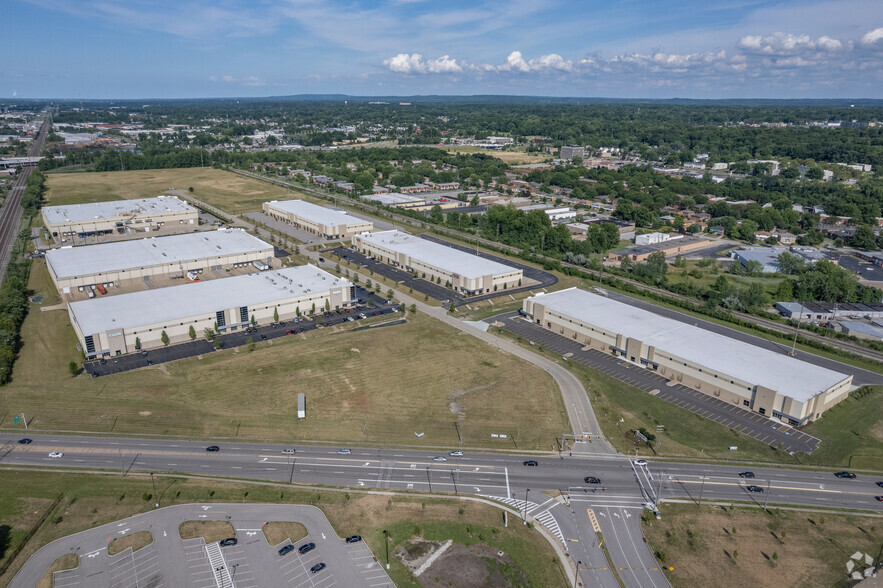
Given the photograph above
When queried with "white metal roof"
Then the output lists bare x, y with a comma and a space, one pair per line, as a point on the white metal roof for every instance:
77, 213
788, 376
69, 262
393, 198
176, 303
316, 214
437, 255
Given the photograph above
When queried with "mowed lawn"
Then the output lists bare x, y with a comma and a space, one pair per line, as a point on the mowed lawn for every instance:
226, 190
378, 385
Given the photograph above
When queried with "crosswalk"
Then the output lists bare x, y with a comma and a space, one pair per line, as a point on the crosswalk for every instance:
219, 565
539, 512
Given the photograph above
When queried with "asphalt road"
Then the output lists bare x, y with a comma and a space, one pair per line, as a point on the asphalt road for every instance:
734, 417
171, 561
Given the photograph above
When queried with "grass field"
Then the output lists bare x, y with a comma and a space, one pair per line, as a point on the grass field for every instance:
724, 546
510, 157
228, 191
136, 541
89, 501
381, 385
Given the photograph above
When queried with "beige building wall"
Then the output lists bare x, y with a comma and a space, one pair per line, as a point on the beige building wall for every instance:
185, 219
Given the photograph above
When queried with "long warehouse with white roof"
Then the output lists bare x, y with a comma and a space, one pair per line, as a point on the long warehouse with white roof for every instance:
70, 222
144, 259
464, 272
112, 325
325, 222
745, 375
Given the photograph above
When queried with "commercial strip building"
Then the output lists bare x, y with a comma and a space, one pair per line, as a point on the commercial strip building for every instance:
765, 382
77, 221
71, 267
112, 325
670, 247
325, 222
465, 272
826, 311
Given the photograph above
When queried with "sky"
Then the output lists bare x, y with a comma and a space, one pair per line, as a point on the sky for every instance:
82, 49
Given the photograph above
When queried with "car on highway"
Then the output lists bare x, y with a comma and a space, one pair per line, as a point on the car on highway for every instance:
56, 454
353, 538
25, 441
439, 458
317, 568
531, 463
306, 548
746, 474
288, 451
845, 475
286, 550
229, 542
879, 498
754, 488
591, 480
640, 462
212, 448
880, 484
457, 453
344, 451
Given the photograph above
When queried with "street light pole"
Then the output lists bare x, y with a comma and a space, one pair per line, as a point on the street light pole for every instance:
526, 491
155, 495
576, 576
386, 541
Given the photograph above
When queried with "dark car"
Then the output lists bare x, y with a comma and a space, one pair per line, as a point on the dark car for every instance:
746, 474
531, 462
212, 448
879, 498
25, 441
149, 362
287, 549
143, 352
318, 567
880, 484
353, 538
754, 488
263, 337
306, 548
846, 475
229, 542
592, 480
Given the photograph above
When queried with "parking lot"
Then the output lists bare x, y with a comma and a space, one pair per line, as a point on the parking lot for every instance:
374, 306
536, 278
866, 271
170, 561
746, 422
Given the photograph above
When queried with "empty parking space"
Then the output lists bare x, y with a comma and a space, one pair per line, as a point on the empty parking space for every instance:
746, 422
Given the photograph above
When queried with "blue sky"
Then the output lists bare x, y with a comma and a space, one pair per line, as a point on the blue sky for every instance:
629, 48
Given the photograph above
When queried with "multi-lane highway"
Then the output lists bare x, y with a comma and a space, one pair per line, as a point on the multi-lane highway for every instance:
611, 507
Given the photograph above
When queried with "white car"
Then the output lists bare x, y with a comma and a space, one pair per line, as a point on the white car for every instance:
439, 458
344, 451
56, 454
640, 462
288, 451
456, 453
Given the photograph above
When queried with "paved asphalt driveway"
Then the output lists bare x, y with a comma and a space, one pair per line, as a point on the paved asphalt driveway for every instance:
437, 291
171, 561
746, 422
114, 365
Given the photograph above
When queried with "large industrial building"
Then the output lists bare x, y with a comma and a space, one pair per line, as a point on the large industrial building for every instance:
763, 381
71, 222
156, 257
112, 325
325, 222
465, 272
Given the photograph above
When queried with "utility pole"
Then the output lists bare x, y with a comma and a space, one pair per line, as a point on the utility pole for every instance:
793, 351
576, 575
767, 497
701, 488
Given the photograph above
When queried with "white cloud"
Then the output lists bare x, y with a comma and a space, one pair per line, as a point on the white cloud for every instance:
872, 38
246, 81
414, 63
787, 44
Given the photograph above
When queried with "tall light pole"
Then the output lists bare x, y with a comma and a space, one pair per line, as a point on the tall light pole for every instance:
155, 495
576, 575
526, 492
386, 541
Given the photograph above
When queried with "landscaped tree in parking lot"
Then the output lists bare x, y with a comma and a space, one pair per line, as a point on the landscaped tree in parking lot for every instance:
192, 333
327, 304
276, 315
164, 338
138, 343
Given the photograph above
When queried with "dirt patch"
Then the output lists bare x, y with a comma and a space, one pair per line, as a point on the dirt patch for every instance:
478, 566
415, 552
65, 562
136, 541
277, 532
211, 531
145, 413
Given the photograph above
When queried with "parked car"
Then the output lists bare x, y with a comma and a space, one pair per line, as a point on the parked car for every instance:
287, 549
56, 454
754, 488
318, 567
353, 538
531, 462
746, 474
457, 453
229, 542
846, 475
591, 480
212, 448
306, 548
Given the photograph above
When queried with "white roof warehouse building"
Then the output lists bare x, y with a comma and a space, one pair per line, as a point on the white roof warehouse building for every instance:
154, 257
72, 221
464, 272
325, 222
766, 382
111, 325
